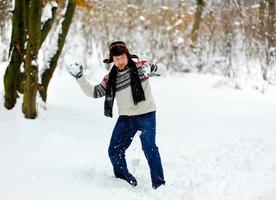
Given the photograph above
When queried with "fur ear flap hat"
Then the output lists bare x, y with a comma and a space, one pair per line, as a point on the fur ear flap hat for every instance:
116, 49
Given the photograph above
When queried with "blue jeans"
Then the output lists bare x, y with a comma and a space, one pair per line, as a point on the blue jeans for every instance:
122, 136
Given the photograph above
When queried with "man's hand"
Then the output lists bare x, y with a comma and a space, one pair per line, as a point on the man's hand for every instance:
75, 70
146, 68
150, 69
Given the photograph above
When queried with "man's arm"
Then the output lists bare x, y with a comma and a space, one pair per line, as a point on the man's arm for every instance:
95, 91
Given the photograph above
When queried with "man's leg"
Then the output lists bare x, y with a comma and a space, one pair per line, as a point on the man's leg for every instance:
121, 138
147, 124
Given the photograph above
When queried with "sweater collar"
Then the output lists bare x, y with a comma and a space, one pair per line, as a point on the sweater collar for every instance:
123, 70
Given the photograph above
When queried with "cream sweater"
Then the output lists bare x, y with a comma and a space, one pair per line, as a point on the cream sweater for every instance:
123, 95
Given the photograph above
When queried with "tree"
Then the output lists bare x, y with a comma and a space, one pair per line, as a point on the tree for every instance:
197, 20
48, 72
16, 53
267, 21
271, 23
28, 35
31, 65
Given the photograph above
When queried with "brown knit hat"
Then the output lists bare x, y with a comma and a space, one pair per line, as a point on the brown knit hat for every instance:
116, 49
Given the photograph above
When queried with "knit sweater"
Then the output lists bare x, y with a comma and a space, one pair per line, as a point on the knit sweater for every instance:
123, 95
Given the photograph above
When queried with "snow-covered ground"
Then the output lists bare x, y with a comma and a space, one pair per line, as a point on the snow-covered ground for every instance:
215, 144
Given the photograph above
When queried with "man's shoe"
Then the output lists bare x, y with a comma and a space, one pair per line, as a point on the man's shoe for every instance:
155, 186
128, 178
132, 181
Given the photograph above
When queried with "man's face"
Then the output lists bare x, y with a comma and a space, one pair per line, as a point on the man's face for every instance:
120, 61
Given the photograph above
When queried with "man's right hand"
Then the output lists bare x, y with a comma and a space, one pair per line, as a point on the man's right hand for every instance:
75, 70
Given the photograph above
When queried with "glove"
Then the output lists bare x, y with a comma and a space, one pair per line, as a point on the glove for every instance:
146, 68
75, 70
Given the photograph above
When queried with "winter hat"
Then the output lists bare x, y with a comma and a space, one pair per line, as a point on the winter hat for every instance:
116, 49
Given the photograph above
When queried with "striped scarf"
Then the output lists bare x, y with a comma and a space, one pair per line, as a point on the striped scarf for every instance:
135, 83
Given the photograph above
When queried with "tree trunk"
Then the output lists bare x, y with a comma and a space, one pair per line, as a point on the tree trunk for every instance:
197, 20
48, 25
31, 65
228, 30
272, 24
262, 20
16, 53
267, 19
48, 73
44, 32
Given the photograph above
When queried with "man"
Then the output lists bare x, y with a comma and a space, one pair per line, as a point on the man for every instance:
128, 83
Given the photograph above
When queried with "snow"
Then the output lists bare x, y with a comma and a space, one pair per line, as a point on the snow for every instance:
215, 143
178, 22
165, 8
132, 6
13, 5
142, 18
255, 6
34, 62
1, 47
47, 12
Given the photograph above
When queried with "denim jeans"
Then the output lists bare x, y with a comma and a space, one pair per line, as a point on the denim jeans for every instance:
122, 136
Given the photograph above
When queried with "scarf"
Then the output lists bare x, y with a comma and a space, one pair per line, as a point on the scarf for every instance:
135, 83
